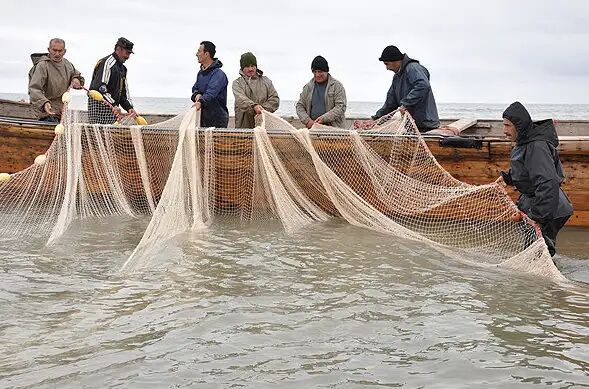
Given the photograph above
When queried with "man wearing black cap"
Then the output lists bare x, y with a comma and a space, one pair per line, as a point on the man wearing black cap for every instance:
410, 90
323, 99
110, 79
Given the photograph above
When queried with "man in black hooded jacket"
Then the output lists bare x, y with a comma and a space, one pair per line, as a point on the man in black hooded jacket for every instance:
536, 171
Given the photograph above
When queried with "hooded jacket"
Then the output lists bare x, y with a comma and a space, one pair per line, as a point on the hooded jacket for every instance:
411, 89
211, 83
110, 79
249, 92
335, 103
48, 81
536, 170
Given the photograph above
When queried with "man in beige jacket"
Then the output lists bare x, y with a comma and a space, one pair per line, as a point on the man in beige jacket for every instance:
50, 77
323, 99
253, 92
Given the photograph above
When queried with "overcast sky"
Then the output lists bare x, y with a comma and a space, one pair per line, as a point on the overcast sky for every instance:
476, 51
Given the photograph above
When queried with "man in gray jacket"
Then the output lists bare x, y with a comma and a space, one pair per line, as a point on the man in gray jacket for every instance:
253, 92
323, 99
410, 91
51, 76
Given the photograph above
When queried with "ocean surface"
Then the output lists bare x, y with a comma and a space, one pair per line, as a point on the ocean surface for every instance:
250, 306
173, 105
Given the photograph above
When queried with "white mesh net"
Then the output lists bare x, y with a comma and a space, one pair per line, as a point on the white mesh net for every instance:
384, 179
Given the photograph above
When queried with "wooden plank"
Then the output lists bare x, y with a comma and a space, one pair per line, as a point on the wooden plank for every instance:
17, 109
462, 124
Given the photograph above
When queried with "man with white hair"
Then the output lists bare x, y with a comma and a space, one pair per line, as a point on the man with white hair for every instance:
51, 76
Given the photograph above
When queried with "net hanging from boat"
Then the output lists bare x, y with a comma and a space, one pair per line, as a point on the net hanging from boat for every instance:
184, 176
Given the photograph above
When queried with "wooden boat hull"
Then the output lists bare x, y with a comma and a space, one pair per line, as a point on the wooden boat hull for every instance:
23, 140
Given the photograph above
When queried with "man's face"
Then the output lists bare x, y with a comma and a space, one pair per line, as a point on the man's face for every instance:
395, 66
509, 130
123, 54
250, 71
320, 76
201, 54
56, 51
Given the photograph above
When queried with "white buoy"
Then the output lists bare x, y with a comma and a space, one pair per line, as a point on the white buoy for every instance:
59, 129
4, 177
66, 97
40, 160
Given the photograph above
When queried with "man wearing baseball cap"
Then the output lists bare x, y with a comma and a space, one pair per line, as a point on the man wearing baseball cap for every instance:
110, 79
410, 91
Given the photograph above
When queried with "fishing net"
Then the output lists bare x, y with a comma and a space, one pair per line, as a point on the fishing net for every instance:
185, 176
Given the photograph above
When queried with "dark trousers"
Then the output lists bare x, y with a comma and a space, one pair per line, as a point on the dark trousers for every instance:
550, 230
51, 119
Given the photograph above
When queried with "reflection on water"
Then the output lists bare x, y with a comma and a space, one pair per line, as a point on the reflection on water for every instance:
242, 305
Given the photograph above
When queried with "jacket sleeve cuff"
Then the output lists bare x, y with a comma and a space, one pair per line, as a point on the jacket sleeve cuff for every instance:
42, 104
109, 98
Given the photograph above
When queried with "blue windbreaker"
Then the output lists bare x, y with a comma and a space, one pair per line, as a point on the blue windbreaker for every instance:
211, 84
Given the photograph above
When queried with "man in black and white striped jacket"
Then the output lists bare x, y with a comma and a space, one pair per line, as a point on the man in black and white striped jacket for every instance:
110, 79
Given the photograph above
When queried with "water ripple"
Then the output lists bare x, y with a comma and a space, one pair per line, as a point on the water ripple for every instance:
251, 306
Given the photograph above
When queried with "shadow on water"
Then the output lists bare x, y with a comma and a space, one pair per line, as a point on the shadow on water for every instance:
572, 258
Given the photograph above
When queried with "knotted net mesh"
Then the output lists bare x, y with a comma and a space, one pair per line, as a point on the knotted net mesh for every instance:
185, 176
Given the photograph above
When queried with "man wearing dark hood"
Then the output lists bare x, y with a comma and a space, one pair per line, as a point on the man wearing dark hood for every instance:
536, 171
209, 92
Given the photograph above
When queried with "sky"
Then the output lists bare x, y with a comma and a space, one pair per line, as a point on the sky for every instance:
493, 51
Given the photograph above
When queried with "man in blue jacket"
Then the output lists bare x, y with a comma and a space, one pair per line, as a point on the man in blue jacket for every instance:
209, 92
410, 91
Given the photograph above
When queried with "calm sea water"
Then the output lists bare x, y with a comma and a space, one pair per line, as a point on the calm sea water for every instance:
170, 105
251, 306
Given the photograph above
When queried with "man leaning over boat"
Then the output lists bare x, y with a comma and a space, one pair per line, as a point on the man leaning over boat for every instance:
410, 90
49, 78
